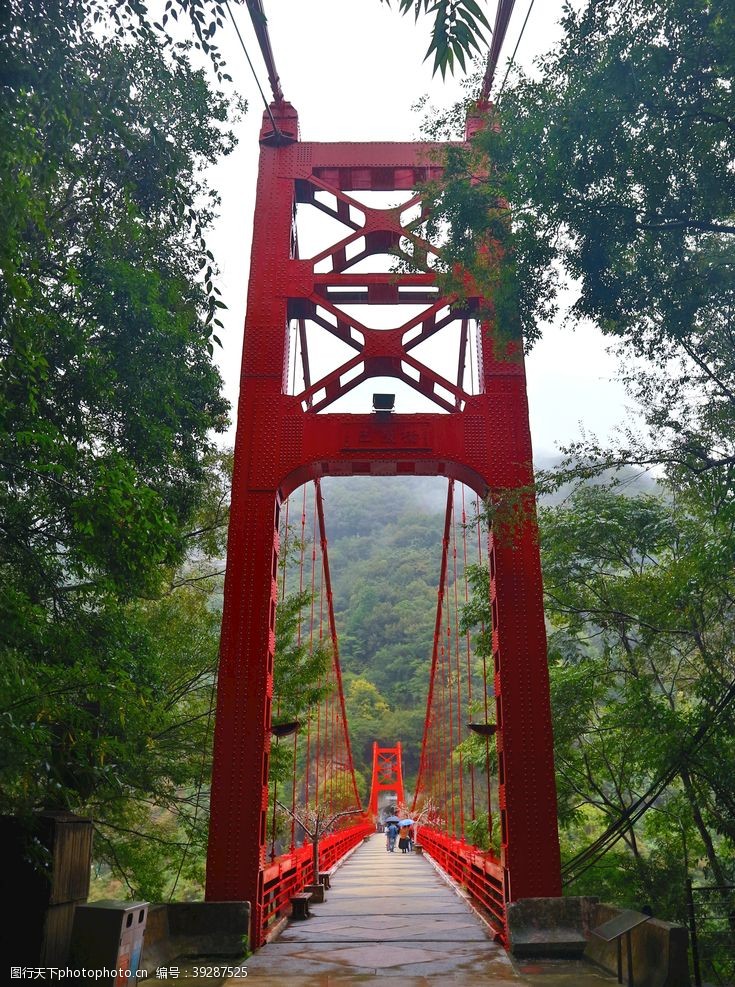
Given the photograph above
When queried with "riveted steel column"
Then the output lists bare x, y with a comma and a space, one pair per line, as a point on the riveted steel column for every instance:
239, 796
527, 786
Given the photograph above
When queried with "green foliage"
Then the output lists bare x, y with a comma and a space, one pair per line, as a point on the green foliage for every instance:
299, 664
614, 163
369, 718
619, 173
299, 670
110, 490
638, 592
620, 151
102, 455
479, 834
456, 31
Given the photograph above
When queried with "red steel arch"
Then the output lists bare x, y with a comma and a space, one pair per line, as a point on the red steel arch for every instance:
481, 439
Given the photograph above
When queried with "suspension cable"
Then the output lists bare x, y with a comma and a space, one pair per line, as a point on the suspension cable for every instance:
449, 695
333, 636
486, 709
269, 111
260, 26
435, 656
502, 18
468, 645
515, 50
458, 670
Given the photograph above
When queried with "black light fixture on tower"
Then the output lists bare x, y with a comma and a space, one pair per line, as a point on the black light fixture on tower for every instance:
483, 729
284, 729
384, 405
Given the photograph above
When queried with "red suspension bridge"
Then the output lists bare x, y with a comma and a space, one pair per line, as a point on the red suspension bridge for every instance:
476, 435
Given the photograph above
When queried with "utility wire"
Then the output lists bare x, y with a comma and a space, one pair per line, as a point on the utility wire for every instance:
205, 747
276, 131
515, 50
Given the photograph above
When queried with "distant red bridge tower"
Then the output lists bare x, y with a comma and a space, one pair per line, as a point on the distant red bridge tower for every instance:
387, 775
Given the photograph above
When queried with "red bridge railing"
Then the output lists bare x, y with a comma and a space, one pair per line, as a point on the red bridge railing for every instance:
289, 874
479, 872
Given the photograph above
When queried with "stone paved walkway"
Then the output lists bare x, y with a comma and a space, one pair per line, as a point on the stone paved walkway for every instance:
390, 915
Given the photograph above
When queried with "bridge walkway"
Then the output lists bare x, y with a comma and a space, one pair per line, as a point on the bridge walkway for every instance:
392, 915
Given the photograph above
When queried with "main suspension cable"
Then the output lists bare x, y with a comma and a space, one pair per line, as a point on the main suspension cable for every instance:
502, 19
269, 111
260, 26
515, 50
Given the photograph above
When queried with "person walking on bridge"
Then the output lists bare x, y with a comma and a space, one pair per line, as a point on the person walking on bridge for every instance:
391, 831
403, 838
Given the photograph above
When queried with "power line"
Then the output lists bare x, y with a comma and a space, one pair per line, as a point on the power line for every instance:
197, 804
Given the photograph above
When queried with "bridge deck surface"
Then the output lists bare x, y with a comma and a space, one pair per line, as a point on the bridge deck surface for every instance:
392, 915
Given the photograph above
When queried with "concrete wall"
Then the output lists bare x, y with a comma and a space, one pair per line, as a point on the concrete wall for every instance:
197, 928
562, 927
549, 927
660, 951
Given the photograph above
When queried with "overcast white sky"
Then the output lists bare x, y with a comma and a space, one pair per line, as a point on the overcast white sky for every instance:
353, 69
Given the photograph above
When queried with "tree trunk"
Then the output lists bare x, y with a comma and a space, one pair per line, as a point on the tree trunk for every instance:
315, 857
719, 874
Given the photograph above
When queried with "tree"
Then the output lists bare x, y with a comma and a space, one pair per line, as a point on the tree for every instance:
108, 399
618, 171
316, 824
367, 712
299, 673
611, 168
99, 286
639, 595
619, 154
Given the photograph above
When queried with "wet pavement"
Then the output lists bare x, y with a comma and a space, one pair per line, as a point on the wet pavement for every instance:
391, 915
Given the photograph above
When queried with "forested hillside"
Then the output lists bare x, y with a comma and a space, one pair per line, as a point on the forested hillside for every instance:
385, 551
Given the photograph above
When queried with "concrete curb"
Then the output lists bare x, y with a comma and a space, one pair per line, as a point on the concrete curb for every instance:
277, 929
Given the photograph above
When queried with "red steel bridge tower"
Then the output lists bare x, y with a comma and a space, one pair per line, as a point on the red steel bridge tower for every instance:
286, 437
387, 775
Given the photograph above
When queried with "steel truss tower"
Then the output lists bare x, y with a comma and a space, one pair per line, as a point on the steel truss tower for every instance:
479, 436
